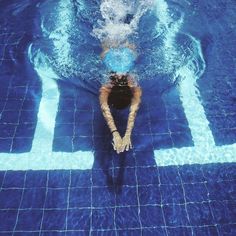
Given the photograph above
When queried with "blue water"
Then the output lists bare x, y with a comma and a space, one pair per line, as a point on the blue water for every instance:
59, 174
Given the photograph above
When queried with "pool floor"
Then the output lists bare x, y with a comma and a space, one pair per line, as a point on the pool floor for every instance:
58, 172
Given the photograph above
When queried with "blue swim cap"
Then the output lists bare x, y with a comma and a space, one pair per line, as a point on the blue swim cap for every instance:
120, 60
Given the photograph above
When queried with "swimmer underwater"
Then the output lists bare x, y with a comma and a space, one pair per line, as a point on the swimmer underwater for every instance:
120, 92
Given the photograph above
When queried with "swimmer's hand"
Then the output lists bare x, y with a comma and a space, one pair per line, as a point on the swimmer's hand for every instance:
117, 142
126, 143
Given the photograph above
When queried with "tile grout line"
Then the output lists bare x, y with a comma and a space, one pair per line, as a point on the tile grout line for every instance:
158, 173
91, 204
137, 194
21, 199
114, 189
185, 201
19, 116
68, 202
121, 206
209, 203
46, 193
107, 230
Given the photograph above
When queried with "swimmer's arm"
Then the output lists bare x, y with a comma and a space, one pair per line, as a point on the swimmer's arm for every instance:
103, 98
137, 93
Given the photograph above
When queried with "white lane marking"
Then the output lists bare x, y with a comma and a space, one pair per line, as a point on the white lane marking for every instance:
196, 155
41, 156
204, 150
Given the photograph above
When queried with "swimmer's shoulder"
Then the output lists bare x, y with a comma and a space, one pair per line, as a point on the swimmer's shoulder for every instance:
132, 81
106, 87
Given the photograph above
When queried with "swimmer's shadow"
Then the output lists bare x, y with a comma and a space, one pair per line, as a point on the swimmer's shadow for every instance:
112, 166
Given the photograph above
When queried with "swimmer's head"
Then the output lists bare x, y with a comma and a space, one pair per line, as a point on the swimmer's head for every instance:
121, 94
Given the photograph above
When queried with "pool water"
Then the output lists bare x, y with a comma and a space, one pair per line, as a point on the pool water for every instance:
59, 174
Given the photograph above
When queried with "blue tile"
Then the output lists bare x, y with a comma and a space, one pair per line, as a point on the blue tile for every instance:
7, 219
84, 128
224, 212
151, 216
147, 175
125, 176
29, 106
229, 230
10, 117
195, 192
29, 220
181, 231
5, 145
62, 144
14, 179
102, 197
159, 126
65, 117
54, 220
33, 198
28, 116
75, 233
178, 125
35, 179
7, 130
83, 143
102, 178
169, 175
175, 112
162, 141
25, 233
172, 194
58, 179
102, 159
3, 92
153, 231
221, 191
2, 176
220, 171
206, 231
142, 142
128, 232
83, 117
80, 197
127, 196
182, 139
100, 127
25, 130
145, 158
200, 214
66, 104
191, 173
224, 136
21, 145
103, 218
10, 198
56, 198
79, 219
149, 195
102, 143
81, 178
17, 92
127, 217
141, 127
175, 215
62, 130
